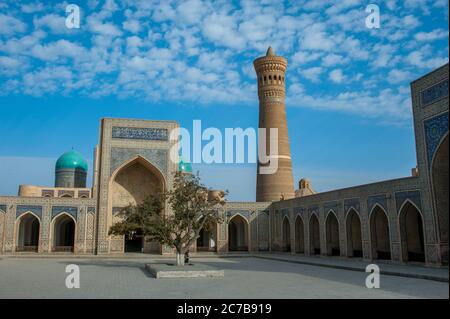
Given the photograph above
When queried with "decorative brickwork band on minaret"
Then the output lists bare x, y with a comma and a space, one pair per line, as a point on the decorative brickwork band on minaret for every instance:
270, 71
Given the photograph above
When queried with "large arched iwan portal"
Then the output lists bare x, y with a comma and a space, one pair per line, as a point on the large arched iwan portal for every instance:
439, 175
132, 183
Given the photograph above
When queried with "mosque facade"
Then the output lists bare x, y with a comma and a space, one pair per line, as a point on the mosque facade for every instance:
401, 220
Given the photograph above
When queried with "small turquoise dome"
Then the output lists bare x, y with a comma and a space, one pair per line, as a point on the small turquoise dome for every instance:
71, 160
184, 166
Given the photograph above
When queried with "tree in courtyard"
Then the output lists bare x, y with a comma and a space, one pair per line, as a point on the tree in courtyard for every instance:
191, 211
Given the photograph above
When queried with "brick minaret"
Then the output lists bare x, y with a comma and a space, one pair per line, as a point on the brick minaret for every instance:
270, 70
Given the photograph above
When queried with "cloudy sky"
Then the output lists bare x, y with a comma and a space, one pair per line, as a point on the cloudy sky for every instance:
348, 97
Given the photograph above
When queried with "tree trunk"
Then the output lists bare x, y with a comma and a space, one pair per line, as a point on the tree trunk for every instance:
143, 243
180, 259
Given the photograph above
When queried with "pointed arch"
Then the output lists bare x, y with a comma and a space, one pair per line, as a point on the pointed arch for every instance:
143, 161
131, 183
28, 228
63, 232
314, 235
332, 234
299, 235
379, 233
410, 221
238, 233
440, 187
286, 234
354, 233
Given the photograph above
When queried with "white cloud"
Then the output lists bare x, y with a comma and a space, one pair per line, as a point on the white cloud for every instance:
55, 50
333, 59
32, 7
312, 74
304, 57
10, 25
432, 35
316, 38
222, 30
396, 76
145, 49
336, 76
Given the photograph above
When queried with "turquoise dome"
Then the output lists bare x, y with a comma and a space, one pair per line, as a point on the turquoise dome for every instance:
71, 160
184, 166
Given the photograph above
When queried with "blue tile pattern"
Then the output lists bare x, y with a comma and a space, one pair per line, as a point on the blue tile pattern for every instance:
71, 210
313, 209
435, 129
377, 199
35, 209
331, 205
299, 210
140, 133
232, 213
413, 196
352, 202
434, 93
156, 157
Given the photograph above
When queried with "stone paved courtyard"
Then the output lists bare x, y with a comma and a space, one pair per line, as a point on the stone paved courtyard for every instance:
244, 278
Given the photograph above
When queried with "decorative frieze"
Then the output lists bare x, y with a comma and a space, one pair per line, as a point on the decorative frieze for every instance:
140, 133
434, 93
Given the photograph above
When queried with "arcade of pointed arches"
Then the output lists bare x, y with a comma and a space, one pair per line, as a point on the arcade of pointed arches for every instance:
410, 224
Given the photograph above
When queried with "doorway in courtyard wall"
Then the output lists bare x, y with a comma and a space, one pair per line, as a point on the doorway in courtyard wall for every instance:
411, 232
379, 233
134, 242
63, 233
205, 241
28, 235
299, 236
353, 230
314, 235
286, 235
238, 234
332, 235
439, 176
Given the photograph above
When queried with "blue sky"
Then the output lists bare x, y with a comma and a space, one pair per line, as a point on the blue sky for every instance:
348, 98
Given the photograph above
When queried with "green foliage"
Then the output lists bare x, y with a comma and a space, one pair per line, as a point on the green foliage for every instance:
191, 211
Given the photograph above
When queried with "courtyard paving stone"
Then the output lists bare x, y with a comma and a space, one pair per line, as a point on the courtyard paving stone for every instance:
248, 277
